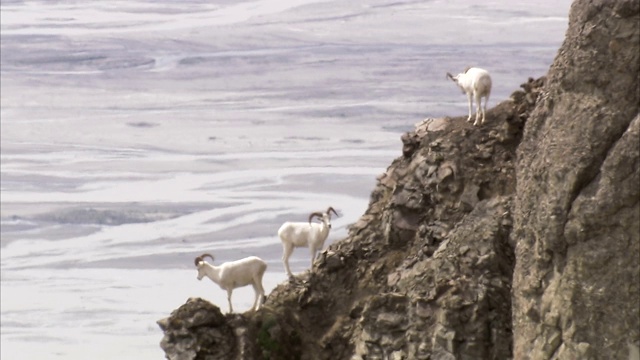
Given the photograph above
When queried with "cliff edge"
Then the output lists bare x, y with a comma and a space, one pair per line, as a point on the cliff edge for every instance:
516, 239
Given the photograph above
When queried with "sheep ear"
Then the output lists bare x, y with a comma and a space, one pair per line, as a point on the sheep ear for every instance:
467, 69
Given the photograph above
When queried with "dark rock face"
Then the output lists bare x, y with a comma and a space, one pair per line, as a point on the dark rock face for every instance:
516, 239
197, 330
577, 210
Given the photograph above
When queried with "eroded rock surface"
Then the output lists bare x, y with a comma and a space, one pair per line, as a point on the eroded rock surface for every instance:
577, 211
197, 330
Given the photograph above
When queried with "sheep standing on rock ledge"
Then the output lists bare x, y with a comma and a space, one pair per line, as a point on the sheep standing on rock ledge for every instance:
476, 83
302, 234
235, 274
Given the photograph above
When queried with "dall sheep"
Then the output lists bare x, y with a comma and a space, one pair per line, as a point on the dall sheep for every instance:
235, 274
305, 234
476, 83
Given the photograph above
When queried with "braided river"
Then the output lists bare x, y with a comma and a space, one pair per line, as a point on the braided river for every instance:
136, 135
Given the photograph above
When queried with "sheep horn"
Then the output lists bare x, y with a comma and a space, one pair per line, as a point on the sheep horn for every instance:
331, 209
313, 214
467, 69
197, 260
209, 255
450, 76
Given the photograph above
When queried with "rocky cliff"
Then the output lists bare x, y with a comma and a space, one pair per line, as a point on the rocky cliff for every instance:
517, 239
576, 210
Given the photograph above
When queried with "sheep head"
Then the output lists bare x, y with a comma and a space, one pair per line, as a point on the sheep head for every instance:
456, 79
199, 261
324, 217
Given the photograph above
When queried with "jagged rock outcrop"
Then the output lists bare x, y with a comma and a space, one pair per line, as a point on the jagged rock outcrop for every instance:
516, 239
197, 330
577, 209
426, 271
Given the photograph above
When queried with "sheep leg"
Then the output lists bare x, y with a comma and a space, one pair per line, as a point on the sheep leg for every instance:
255, 301
257, 287
484, 110
229, 291
478, 108
314, 253
263, 297
287, 249
469, 101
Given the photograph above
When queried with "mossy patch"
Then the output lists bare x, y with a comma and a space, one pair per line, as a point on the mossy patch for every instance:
269, 346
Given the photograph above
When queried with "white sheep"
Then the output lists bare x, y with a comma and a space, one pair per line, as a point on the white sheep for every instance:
476, 83
305, 234
235, 274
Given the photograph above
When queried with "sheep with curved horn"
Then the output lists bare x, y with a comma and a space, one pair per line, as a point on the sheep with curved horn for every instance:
235, 274
305, 234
